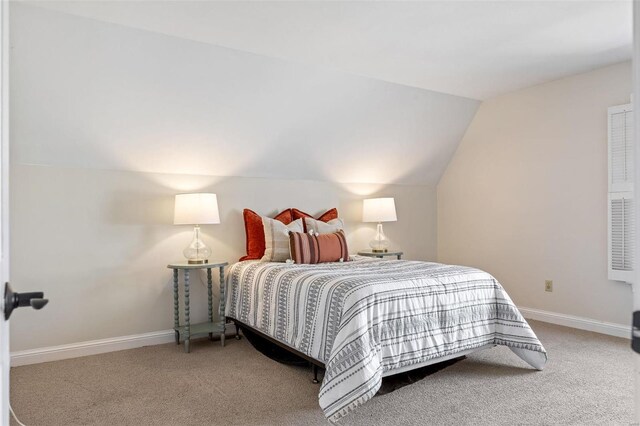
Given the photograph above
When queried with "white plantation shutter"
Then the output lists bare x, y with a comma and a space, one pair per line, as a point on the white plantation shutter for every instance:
621, 236
621, 205
620, 149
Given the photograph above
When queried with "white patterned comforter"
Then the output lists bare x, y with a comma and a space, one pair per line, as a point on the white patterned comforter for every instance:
366, 317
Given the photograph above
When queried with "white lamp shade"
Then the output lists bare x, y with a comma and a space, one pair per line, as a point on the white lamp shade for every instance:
379, 210
196, 209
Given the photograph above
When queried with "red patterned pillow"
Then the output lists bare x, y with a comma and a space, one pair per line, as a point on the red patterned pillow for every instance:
308, 248
254, 232
324, 217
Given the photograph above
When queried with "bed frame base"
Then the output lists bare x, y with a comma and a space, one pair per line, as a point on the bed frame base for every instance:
317, 365
238, 336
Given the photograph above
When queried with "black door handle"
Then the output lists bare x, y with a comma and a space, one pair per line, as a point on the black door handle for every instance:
39, 303
17, 300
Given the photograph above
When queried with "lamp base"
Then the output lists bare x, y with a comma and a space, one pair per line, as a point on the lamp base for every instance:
197, 253
379, 244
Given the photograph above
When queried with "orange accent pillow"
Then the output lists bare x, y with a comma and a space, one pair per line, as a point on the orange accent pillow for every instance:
324, 217
254, 231
329, 215
310, 249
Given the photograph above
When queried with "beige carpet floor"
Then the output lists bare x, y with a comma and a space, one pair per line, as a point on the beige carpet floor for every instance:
588, 380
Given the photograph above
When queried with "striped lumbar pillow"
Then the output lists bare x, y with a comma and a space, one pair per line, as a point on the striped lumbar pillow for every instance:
314, 248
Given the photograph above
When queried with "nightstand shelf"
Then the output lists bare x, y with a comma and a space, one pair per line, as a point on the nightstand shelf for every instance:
381, 255
201, 328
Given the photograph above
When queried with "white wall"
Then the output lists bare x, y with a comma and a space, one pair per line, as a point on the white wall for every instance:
525, 196
108, 123
97, 242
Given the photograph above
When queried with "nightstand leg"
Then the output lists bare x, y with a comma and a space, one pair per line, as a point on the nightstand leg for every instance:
176, 307
222, 307
187, 321
210, 302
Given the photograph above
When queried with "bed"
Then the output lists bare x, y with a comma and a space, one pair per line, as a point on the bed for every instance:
368, 318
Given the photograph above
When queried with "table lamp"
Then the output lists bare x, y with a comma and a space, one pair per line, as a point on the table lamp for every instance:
379, 210
196, 209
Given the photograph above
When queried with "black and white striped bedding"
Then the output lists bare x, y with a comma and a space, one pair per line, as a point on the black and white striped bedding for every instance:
366, 317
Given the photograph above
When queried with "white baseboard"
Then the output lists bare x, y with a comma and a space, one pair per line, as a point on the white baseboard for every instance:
581, 323
92, 347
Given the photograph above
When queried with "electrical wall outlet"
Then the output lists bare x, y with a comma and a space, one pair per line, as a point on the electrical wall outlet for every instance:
548, 285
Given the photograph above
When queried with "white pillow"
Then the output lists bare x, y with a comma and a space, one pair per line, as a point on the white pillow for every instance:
334, 225
276, 238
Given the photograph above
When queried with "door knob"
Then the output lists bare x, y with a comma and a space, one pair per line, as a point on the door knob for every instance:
17, 300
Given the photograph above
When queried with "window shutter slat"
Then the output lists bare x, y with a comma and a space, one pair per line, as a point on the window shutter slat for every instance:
618, 149
621, 226
622, 234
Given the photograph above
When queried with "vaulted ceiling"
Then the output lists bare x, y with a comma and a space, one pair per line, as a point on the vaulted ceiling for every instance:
92, 94
377, 92
475, 49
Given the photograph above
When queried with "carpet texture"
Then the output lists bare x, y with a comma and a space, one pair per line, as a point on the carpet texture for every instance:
588, 380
